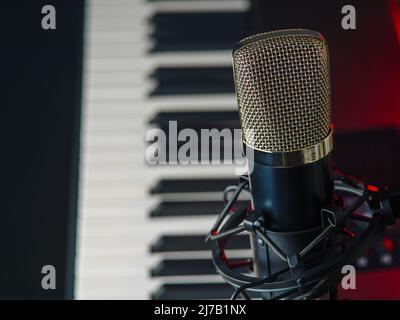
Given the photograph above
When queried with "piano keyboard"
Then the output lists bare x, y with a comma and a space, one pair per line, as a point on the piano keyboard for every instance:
141, 228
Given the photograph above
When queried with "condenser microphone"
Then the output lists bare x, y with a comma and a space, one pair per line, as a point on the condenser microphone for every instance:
298, 220
283, 92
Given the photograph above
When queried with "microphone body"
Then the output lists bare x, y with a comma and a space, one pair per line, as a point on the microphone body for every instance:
290, 200
283, 90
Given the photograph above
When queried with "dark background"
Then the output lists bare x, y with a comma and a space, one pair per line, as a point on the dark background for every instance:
41, 89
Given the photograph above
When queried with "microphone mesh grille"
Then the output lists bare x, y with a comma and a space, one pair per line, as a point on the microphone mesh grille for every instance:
283, 90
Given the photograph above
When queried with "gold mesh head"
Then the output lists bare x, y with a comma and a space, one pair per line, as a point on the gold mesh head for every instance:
283, 90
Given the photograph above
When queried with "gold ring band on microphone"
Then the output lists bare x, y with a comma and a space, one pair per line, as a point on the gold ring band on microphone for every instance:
298, 157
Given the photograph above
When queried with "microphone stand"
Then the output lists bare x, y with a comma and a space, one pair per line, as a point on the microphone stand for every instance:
296, 280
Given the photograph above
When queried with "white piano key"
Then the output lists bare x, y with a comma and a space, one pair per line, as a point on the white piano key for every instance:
102, 8
116, 25
121, 37
103, 63
148, 172
117, 93
202, 6
205, 102
107, 69
120, 108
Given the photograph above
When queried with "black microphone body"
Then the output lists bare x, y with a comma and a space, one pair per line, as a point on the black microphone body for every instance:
290, 200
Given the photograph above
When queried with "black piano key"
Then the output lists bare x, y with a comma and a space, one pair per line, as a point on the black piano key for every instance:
192, 80
197, 120
191, 185
197, 28
170, 243
181, 267
225, 44
200, 20
204, 35
188, 291
190, 88
188, 208
179, 28
192, 31
190, 41
198, 74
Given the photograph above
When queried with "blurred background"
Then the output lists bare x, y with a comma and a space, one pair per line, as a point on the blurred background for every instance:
79, 100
